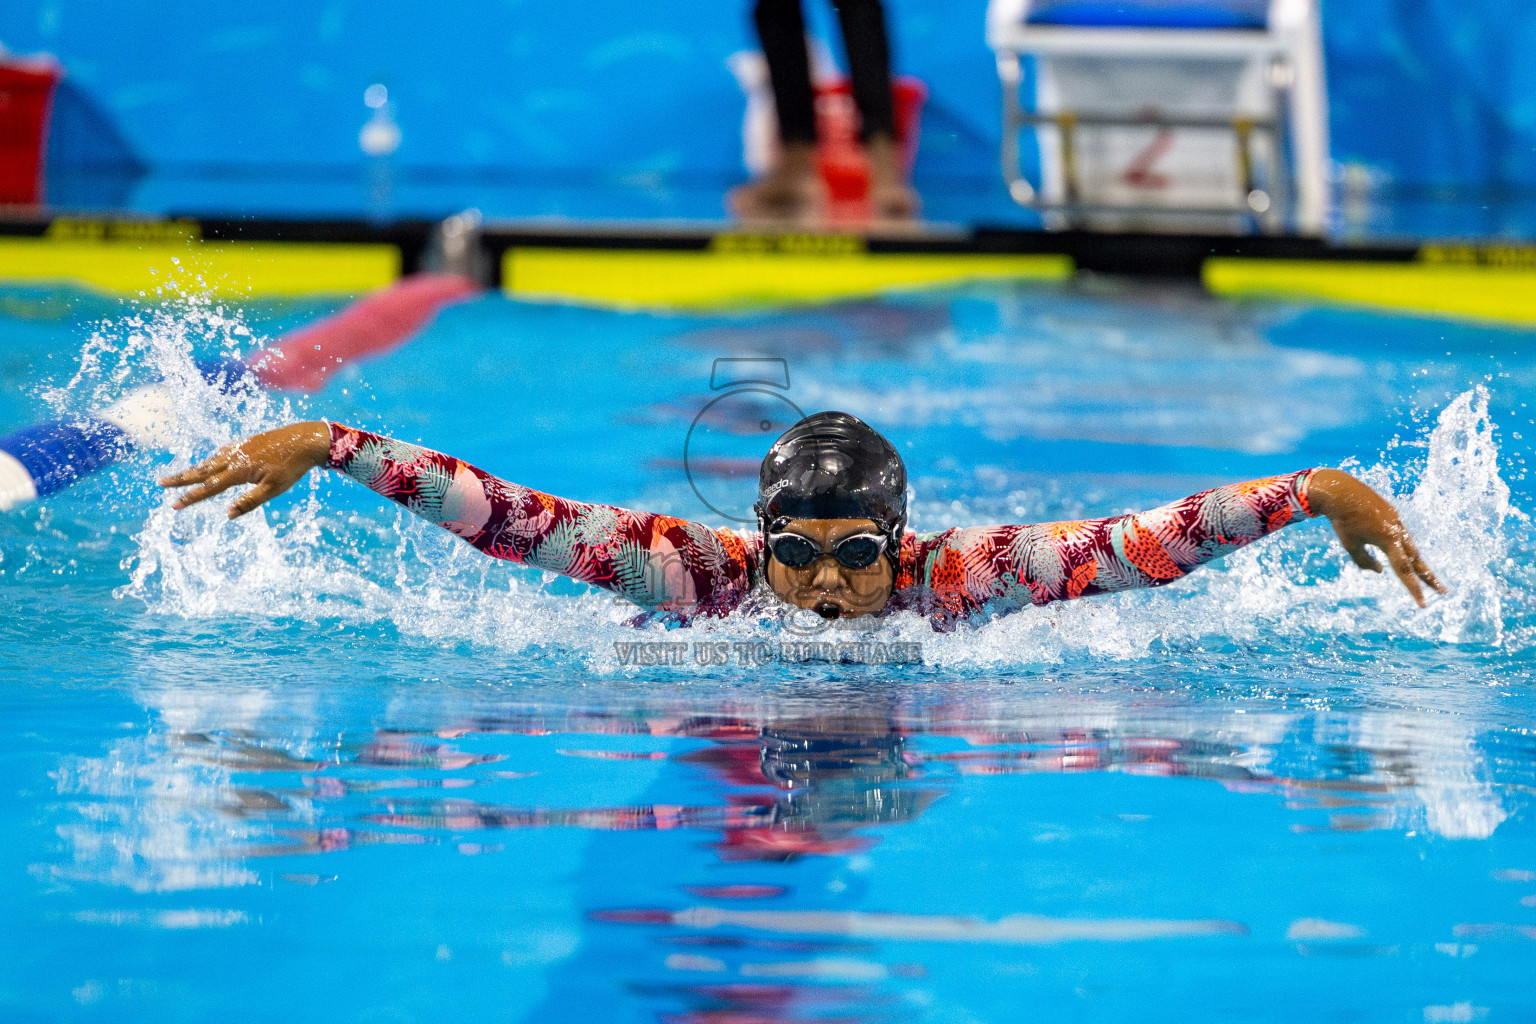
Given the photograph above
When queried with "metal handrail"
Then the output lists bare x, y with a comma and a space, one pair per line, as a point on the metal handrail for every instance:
1243, 127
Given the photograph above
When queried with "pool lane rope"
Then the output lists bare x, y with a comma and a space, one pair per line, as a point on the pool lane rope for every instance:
46, 458
377, 323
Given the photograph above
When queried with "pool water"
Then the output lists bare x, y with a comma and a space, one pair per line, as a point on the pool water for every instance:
330, 762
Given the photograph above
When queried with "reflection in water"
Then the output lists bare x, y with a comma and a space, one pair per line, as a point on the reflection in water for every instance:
783, 787
193, 806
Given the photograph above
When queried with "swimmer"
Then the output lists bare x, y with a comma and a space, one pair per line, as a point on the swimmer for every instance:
832, 534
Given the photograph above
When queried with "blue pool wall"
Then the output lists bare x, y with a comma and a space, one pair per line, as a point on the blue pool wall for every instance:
607, 108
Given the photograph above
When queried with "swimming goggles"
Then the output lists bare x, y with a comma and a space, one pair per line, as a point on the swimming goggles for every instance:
859, 551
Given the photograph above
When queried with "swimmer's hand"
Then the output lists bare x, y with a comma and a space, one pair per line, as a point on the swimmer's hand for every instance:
273, 461
1362, 518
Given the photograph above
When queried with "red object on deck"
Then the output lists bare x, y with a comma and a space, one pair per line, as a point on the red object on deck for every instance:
839, 156
376, 323
26, 95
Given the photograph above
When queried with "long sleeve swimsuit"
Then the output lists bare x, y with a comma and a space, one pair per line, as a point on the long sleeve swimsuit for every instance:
680, 569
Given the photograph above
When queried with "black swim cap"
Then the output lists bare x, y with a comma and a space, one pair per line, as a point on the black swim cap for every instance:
832, 465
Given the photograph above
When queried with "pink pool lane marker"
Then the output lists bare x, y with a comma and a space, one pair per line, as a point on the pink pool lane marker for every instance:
377, 323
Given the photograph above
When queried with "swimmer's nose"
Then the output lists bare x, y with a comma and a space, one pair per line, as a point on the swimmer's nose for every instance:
827, 610
827, 576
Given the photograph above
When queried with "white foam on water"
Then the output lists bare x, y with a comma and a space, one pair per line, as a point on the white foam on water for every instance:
157, 342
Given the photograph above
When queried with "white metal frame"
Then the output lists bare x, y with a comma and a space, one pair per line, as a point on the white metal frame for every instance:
1290, 48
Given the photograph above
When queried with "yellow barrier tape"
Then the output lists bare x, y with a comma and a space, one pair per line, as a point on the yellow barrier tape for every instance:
1502, 291
130, 266
742, 273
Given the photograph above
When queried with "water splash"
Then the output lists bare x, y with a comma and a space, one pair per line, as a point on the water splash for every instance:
1299, 585
309, 564
1459, 510
158, 342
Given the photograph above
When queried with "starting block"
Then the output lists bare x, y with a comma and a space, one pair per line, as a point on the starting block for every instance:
1206, 115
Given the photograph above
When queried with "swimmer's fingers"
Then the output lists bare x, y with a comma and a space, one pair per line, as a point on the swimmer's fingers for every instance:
268, 486
1356, 541
215, 485
215, 463
1402, 565
258, 495
1419, 568
1407, 564
1360, 554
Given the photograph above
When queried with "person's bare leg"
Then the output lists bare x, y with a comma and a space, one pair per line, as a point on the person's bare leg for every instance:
891, 197
792, 189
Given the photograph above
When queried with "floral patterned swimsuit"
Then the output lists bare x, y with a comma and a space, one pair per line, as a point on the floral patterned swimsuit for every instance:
684, 569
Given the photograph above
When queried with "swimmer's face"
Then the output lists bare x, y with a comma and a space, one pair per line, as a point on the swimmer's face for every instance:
826, 586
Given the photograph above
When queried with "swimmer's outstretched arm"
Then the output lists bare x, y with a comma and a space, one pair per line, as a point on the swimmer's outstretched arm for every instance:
656, 561
969, 568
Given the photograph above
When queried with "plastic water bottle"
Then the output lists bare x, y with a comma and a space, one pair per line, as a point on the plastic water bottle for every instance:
378, 140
